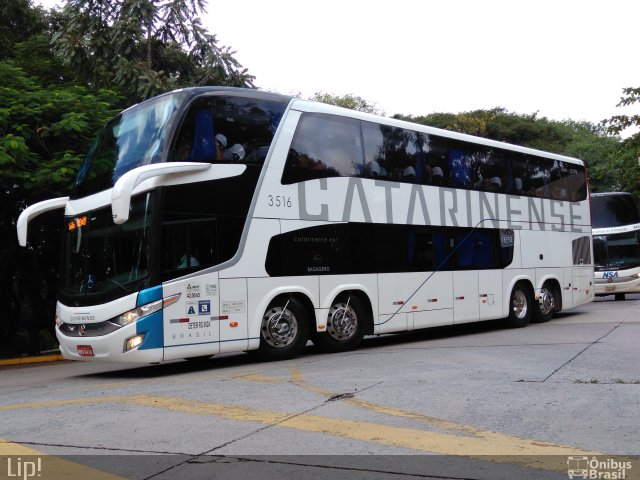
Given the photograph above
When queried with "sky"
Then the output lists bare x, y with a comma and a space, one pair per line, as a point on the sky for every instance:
564, 59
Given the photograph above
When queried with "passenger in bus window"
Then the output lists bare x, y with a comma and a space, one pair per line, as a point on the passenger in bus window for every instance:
517, 186
234, 154
437, 177
375, 170
188, 261
558, 192
494, 185
409, 174
221, 144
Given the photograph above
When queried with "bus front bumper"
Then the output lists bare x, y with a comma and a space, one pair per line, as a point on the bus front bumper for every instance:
608, 286
111, 347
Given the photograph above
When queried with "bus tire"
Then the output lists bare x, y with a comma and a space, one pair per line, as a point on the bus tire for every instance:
520, 306
620, 296
284, 330
546, 306
345, 325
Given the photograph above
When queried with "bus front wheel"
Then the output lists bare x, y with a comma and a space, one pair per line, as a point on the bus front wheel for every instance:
285, 329
520, 305
345, 325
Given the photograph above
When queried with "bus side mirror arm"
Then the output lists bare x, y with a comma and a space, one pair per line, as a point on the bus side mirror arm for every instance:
33, 211
126, 184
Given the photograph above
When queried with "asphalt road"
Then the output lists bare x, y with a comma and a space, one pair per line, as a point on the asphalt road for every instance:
469, 402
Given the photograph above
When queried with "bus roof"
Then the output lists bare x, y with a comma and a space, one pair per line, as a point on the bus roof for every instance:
317, 107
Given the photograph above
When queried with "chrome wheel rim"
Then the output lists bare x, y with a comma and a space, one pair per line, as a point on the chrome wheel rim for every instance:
519, 304
342, 322
547, 301
279, 327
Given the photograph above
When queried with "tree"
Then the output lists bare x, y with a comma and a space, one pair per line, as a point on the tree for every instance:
618, 123
625, 168
44, 132
144, 47
349, 100
18, 21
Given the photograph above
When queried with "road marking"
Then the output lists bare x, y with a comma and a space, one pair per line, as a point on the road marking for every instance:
462, 439
53, 468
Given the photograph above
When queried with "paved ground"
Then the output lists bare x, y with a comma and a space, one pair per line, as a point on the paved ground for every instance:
475, 401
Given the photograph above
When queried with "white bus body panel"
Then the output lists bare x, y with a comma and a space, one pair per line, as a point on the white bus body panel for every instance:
490, 294
466, 303
192, 325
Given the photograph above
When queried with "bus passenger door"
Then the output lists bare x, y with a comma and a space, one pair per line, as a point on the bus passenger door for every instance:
234, 330
466, 307
191, 328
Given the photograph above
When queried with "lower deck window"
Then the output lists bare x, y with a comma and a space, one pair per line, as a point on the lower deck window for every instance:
383, 248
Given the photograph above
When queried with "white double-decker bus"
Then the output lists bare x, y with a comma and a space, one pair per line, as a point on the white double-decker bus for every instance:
616, 244
212, 220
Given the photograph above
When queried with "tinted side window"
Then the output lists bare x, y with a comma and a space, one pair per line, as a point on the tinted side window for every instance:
195, 233
348, 248
393, 153
324, 146
220, 129
613, 210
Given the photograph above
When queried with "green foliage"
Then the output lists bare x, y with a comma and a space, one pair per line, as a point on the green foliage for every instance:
44, 131
144, 47
625, 168
618, 123
349, 101
19, 20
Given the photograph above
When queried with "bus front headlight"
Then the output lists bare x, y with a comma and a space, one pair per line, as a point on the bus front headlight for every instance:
137, 313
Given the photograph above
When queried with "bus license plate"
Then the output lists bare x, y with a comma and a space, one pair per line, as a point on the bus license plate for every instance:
85, 351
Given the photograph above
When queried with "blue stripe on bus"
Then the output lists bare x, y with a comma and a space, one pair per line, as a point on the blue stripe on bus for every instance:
149, 295
153, 329
215, 341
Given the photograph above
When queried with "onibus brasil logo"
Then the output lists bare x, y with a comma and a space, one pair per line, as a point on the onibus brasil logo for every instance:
597, 468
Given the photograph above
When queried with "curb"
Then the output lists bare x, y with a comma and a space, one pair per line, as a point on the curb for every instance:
29, 360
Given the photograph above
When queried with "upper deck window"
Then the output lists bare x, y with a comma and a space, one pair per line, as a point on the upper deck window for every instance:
334, 146
213, 128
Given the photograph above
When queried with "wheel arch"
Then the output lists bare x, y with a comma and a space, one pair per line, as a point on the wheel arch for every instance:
523, 279
553, 283
303, 294
353, 290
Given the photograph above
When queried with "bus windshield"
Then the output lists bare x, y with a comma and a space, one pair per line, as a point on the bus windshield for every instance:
617, 251
102, 260
135, 137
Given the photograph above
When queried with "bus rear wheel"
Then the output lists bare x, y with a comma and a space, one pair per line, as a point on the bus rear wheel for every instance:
545, 307
620, 296
345, 325
285, 329
520, 305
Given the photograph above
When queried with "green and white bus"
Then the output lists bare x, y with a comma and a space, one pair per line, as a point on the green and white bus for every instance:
616, 244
